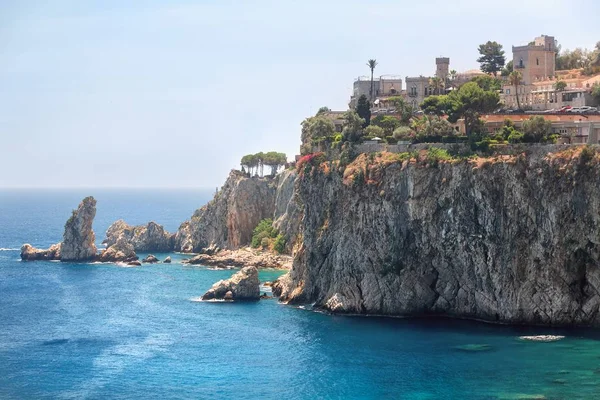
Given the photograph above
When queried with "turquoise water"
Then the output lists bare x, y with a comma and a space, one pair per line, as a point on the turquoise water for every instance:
101, 331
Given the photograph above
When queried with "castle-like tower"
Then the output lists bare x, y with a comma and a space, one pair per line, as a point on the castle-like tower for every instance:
442, 69
536, 61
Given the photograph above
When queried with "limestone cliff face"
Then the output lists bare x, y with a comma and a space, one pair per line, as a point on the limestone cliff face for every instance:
228, 220
144, 238
79, 239
287, 215
514, 239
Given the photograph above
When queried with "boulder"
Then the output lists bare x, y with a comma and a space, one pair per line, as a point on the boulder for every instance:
167, 260
79, 239
243, 285
210, 250
30, 253
150, 259
121, 251
134, 263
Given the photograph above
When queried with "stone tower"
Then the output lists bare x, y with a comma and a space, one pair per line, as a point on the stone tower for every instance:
442, 69
537, 60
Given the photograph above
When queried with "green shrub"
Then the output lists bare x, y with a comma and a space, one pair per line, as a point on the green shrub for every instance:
435, 155
279, 244
515, 137
264, 243
264, 230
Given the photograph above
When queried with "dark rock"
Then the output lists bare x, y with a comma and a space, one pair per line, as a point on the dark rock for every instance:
167, 260
150, 259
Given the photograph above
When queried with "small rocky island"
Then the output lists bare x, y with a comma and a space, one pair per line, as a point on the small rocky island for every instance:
243, 285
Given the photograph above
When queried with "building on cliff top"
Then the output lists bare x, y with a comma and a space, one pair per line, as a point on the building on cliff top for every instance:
537, 91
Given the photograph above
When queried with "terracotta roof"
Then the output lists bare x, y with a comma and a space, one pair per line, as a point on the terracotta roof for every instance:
548, 117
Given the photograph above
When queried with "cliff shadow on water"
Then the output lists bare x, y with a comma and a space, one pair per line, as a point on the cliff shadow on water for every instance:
511, 239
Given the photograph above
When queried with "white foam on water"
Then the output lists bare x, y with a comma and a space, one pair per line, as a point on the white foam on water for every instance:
8, 249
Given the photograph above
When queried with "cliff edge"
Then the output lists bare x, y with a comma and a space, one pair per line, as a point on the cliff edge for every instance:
512, 239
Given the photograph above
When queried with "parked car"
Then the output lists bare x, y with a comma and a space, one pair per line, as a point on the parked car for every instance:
551, 111
575, 110
564, 109
587, 109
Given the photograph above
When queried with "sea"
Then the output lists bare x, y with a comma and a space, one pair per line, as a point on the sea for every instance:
101, 331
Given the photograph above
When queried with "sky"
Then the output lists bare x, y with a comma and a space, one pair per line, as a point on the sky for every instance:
113, 93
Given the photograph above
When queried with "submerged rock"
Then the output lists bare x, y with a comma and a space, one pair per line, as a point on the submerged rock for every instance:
30, 253
134, 263
243, 285
474, 347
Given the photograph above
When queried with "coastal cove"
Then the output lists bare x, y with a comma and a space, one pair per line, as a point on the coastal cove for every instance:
76, 330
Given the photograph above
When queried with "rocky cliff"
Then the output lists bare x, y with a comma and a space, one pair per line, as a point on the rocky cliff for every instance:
228, 220
512, 239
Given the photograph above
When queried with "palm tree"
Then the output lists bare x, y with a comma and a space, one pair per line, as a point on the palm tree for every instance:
515, 80
372, 64
453, 76
437, 84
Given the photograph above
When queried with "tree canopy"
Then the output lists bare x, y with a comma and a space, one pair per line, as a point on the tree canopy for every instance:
254, 163
537, 129
508, 68
315, 130
468, 102
560, 85
487, 82
363, 109
353, 127
492, 57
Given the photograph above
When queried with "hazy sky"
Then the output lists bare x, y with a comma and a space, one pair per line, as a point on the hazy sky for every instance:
173, 93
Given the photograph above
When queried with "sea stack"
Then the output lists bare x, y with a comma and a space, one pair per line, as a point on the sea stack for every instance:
79, 238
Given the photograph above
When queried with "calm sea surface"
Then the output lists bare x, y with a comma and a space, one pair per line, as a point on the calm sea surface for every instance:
100, 331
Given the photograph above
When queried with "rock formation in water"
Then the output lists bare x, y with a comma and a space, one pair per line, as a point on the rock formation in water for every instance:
243, 285
78, 239
228, 220
121, 251
30, 253
511, 239
143, 238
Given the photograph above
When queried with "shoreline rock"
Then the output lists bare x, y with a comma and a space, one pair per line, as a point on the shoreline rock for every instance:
242, 258
243, 285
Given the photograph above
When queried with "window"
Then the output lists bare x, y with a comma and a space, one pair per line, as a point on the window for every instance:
537, 61
507, 91
521, 63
